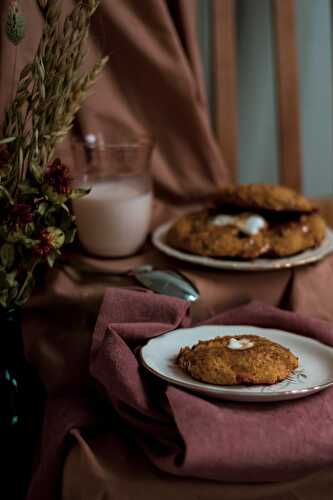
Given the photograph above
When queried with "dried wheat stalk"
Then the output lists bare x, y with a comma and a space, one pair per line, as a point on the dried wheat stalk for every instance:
50, 91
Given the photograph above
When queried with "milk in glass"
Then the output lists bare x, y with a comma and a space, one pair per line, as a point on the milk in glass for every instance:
113, 220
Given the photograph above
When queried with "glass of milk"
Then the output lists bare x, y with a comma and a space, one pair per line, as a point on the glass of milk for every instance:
113, 220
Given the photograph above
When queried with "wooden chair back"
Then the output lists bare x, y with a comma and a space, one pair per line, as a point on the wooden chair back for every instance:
224, 52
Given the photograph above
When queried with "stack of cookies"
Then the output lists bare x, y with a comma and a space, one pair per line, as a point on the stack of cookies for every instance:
250, 221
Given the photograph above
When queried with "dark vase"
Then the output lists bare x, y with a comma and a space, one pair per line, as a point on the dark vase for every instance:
20, 405
12, 364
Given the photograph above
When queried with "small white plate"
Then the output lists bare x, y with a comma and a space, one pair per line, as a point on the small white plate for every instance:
262, 264
315, 371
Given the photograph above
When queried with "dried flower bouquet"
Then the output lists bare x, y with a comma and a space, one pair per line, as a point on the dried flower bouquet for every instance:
35, 188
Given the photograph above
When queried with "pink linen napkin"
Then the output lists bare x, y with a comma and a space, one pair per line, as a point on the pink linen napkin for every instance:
188, 435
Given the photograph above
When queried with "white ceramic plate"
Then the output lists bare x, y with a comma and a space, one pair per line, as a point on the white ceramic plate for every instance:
310, 256
315, 371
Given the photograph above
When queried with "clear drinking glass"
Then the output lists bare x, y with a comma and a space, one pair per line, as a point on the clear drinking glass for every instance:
114, 219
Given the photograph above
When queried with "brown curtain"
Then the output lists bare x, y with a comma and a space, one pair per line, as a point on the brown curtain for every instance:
153, 84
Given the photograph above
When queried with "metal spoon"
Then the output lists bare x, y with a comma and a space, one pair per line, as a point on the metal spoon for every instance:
164, 281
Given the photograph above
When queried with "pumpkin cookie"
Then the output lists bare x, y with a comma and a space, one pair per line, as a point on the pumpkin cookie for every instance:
243, 359
199, 233
245, 236
253, 197
290, 238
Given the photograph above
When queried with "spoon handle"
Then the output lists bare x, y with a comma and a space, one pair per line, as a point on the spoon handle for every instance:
90, 270
96, 271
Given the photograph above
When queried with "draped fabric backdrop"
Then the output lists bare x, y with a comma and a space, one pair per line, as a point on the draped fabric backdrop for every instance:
153, 84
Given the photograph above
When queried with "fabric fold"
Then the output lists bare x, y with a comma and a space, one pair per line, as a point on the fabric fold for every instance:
188, 435
62, 414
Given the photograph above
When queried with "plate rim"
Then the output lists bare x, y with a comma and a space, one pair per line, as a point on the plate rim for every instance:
310, 256
209, 389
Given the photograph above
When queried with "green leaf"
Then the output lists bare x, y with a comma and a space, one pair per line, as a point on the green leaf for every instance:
42, 208
51, 259
66, 221
50, 216
12, 293
7, 255
15, 236
6, 195
54, 197
25, 290
29, 242
20, 237
29, 229
26, 188
11, 279
70, 235
4, 284
65, 207
4, 298
79, 193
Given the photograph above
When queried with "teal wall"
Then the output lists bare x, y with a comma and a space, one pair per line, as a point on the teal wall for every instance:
256, 90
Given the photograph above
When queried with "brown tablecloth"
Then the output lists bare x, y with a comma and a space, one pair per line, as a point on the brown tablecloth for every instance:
104, 464
110, 467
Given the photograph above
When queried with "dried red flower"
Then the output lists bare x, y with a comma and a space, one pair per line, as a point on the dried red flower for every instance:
21, 214
57, 176
44, 247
